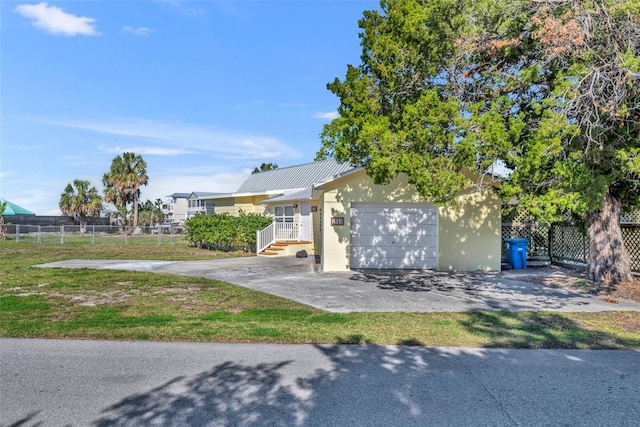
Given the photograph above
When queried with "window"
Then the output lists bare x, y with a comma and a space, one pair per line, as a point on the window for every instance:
284, 213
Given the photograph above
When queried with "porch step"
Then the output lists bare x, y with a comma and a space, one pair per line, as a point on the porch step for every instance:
281, 248
285, 244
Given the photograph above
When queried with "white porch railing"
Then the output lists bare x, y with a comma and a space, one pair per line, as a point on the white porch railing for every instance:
265, 237
274, 232
192, 211
286, 231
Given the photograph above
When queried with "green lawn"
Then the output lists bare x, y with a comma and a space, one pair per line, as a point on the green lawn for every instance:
101, 304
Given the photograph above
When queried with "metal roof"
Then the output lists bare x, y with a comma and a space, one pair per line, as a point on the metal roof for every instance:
294, 177
206, 195
293, 195
179, 195
13, 209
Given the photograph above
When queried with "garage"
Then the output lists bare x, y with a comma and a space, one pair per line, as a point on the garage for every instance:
393, 236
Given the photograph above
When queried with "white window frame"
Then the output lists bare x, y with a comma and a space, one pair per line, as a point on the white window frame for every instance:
283, 217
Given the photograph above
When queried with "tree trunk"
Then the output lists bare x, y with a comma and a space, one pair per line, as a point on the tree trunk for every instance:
608, 260
135, 211
2, 231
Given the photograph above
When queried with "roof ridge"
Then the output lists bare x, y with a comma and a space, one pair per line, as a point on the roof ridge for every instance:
299, 165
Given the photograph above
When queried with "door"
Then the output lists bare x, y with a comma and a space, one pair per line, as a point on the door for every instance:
305, 221
393, 236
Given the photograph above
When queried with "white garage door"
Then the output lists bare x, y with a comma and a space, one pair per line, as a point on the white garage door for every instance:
393, 235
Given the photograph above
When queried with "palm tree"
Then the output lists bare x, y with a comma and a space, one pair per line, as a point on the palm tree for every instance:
80, 202
123, 181
3, 206
120, 200
151, 213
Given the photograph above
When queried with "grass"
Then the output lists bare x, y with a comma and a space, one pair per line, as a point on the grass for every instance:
120, 305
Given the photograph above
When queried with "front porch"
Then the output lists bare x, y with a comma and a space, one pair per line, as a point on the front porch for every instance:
283, 239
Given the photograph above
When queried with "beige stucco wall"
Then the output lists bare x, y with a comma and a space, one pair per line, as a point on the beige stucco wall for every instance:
233, 205
468, 236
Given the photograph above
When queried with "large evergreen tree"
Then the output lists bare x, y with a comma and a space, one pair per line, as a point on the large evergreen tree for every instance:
551, 88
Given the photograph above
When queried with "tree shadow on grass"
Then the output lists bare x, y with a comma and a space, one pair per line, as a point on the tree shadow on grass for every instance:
540, 330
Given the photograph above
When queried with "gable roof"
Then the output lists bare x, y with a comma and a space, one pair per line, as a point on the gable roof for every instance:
294, 177
13, 209
179, 195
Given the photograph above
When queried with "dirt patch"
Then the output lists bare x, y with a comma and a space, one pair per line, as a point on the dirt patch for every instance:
181, 295
562, 277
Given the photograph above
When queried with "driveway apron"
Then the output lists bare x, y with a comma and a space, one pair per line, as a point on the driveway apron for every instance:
370, 291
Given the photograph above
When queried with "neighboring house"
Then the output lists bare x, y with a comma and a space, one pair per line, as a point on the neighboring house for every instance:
198, 202
352, 223
110, 212
175, 208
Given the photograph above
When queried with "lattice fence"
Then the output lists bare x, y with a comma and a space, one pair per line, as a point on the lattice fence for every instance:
536, 233
631, 238
569, 245
565, 243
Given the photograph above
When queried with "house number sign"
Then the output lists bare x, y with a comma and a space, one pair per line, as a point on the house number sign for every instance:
337, 220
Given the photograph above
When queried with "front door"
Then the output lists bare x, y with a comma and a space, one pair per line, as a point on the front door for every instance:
305, 221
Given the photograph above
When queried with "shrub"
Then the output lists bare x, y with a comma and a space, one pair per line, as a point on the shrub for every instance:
225, 232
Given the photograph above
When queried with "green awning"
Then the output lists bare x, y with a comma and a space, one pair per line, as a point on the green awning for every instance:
13, 209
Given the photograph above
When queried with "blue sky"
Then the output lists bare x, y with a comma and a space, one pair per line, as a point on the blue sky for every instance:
204, 90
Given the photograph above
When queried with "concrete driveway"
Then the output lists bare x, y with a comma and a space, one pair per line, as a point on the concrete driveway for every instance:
370, 291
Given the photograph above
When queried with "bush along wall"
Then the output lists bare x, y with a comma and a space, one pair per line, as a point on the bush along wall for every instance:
225, 232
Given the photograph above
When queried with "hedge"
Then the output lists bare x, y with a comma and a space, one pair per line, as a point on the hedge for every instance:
225, 232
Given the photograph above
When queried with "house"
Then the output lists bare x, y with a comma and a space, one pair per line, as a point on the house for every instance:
175, 208
337, 212
201, 202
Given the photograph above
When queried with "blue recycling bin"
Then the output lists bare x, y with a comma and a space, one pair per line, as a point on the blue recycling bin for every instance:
517, 253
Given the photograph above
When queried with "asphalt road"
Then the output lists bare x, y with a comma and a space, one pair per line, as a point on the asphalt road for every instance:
97, 383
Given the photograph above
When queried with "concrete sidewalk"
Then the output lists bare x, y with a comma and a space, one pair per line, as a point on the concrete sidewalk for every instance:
97, 383
370, 291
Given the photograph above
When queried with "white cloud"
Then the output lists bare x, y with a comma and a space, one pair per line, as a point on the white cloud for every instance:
326, 116
191, 138
3, 174
54, 20
154, 151
140, 31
